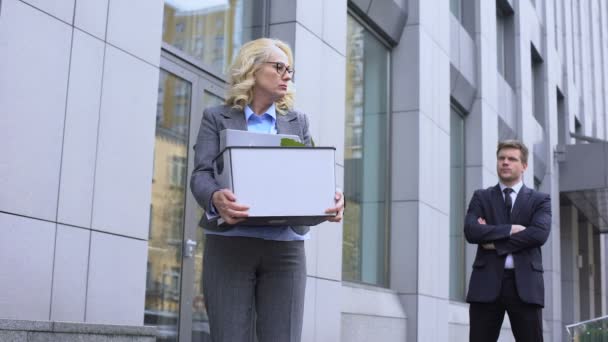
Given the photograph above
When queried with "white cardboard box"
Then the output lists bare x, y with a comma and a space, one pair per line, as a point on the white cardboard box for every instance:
281, 185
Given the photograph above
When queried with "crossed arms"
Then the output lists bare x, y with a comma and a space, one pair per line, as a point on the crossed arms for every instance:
507, 238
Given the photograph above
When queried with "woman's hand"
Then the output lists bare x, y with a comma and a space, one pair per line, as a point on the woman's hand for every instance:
338, 209
225, 204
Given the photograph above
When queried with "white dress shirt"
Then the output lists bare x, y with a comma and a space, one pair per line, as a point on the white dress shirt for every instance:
516, 188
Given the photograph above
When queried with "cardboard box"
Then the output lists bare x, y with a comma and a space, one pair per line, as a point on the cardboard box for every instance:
281, 185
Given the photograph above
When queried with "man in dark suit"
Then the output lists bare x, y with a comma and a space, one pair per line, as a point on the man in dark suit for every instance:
509, 222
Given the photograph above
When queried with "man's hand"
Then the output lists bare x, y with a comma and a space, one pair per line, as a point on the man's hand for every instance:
516, 228
231, 211
338, 209
485, 245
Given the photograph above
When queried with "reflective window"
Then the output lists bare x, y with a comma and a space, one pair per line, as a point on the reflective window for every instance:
505, 43
464, 12
457, 206
200, 322
456, 8
500, 41
365, 161
213, 30
168, 201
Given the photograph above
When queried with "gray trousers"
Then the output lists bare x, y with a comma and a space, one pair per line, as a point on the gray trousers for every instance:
254, 287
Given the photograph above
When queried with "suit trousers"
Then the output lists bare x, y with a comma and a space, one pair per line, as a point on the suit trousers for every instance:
486, 318
254, 287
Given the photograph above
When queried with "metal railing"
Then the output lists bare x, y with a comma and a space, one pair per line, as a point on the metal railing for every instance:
593, 330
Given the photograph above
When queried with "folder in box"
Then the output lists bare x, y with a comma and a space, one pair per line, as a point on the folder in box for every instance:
235, 137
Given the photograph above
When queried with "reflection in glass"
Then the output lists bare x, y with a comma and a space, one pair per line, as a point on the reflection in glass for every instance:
167, 209
200, 322
365, 240
457, 206
500, 42
213, 30
456, 8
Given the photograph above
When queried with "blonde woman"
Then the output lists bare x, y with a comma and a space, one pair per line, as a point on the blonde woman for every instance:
252, 271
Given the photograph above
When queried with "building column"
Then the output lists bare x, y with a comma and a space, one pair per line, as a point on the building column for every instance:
316, 32
604, 272
584, 270
552, 313
420, 177
597, 275
569, 266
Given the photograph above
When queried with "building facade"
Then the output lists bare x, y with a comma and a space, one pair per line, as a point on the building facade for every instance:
100, 103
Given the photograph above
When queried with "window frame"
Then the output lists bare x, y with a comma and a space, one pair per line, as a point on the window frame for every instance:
385, 281
505, 46
458, 110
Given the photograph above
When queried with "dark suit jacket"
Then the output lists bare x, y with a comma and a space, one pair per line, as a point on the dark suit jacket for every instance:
532, 210
216, 119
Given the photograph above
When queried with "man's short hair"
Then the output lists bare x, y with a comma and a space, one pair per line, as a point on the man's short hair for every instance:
516, 144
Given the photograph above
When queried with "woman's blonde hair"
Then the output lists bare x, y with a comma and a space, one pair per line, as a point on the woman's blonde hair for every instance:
250, 59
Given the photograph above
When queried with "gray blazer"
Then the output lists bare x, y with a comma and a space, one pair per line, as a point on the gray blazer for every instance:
216, 119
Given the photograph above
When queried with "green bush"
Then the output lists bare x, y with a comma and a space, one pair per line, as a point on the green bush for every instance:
592, 334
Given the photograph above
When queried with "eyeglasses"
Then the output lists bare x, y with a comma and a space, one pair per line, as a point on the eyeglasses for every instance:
282, 68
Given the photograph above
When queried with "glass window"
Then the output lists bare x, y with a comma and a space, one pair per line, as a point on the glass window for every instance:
505, 43
464, 12
212, 31
500, 42
556, 24
537, 90
574, 36
365, 161
168, 201
178, 170
456, 8
200, 321
457, 206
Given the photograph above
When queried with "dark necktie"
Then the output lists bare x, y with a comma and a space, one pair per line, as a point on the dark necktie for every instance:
508, 202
